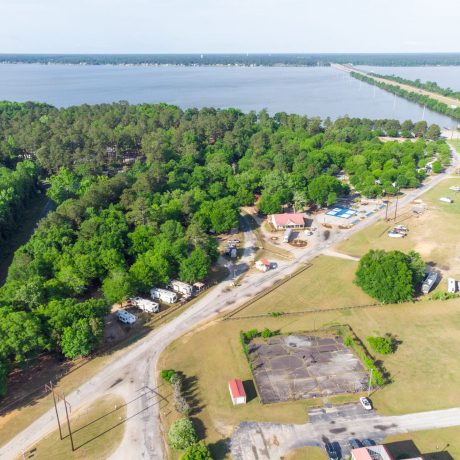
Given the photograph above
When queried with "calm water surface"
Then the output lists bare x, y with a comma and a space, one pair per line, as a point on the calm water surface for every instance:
321, 91
444, 76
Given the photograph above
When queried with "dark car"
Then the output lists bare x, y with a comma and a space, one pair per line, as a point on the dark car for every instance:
368, 442
333, 450
355, 443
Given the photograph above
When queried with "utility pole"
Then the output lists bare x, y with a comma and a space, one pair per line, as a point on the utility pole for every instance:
386, 209
50, 387
370, 384
396, 207
68, 421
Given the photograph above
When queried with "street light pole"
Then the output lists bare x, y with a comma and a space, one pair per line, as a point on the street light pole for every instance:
370, 384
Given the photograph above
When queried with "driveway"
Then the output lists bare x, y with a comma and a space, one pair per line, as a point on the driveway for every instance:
269, 441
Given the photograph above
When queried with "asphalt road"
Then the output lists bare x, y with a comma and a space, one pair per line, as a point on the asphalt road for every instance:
133, 375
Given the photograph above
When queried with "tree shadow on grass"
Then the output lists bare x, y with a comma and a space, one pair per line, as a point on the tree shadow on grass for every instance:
190, 392
220, 449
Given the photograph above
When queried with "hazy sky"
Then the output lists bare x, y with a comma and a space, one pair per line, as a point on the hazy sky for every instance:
211, 26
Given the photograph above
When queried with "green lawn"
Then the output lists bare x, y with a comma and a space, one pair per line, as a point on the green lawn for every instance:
425, 370
306, 453
97, 432
327, 284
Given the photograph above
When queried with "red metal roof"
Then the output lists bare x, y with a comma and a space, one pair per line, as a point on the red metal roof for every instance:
265, 261
284, 219
236, 388
361, 454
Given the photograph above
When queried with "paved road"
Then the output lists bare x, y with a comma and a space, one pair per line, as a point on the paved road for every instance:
133, 375
269, 441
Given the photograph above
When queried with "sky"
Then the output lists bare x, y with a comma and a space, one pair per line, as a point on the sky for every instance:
229, 26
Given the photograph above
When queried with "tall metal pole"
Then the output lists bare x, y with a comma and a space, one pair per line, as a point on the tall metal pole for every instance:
68, 423
386, 210
370, 384
396, 207
51, 387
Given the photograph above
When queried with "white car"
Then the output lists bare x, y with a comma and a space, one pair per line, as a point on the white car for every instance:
366, 403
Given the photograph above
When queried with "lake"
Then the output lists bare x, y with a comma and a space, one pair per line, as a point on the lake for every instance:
312, 91
444, 76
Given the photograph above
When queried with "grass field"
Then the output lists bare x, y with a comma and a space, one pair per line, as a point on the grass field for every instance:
455, 143
306, 291
434, 234
97, 431
425, 369
432, 444
306, 453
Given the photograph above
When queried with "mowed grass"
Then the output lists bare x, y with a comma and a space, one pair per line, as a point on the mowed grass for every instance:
327, 284
432, 444
455, 144
434, 234
306, 453
97, 431
425, 369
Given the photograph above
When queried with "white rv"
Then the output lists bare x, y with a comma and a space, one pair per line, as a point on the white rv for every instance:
429, 282
164, 295
451, 285
181, 287
145, 305
287, 235
126, 317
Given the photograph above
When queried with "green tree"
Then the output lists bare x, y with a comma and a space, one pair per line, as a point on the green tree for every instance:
390, 277
81, 337
197, 451
384, 345
322, 188
195, 267
182, 434
270, 203
420, 128
118, 286
3, 378
433, 132
64, 185
436, 167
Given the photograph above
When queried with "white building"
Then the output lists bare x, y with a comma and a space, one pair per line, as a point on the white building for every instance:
237, 393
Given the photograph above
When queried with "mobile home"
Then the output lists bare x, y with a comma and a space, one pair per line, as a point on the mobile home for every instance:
429, 282
126, 317
181, 287
164, 295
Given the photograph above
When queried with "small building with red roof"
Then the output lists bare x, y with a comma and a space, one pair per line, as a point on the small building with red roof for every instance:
263, 265
378, 452
287, 220
237, 392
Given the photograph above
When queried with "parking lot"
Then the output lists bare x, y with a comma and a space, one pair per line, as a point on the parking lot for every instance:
303, 366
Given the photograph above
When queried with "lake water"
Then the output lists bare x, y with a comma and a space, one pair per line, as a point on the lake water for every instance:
444, 76
313, 91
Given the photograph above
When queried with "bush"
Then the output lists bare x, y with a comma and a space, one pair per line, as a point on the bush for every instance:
436, 167
444, 295
198, 451
276, 314
390, 277
384, 345
266, 333
182, 434
167, 374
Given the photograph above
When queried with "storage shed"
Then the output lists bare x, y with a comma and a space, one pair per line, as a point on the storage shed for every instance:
237, 392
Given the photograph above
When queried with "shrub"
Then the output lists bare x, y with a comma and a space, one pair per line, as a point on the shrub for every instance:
384, 345
181, 404
444, 295
182, 434
275, 314
167, 374
198, 451
266, 333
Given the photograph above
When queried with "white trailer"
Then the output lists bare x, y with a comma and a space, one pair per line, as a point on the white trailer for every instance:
145, 305
446, 199
451, 285
429, 282
182, 288
164, 295
126, 317
287, 235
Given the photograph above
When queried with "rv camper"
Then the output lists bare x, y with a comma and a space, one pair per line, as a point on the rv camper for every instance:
164, 295
126, 317
181, 287
145, 305
451, 285
429, 282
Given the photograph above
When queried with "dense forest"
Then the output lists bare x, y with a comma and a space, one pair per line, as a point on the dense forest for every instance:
428, 85
294, 59
142, 190
421, 99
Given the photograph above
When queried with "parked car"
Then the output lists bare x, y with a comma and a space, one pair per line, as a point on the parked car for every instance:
368, 442
366, 403
355, 443
333, 450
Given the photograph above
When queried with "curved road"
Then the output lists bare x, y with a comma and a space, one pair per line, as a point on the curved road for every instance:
133, 375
